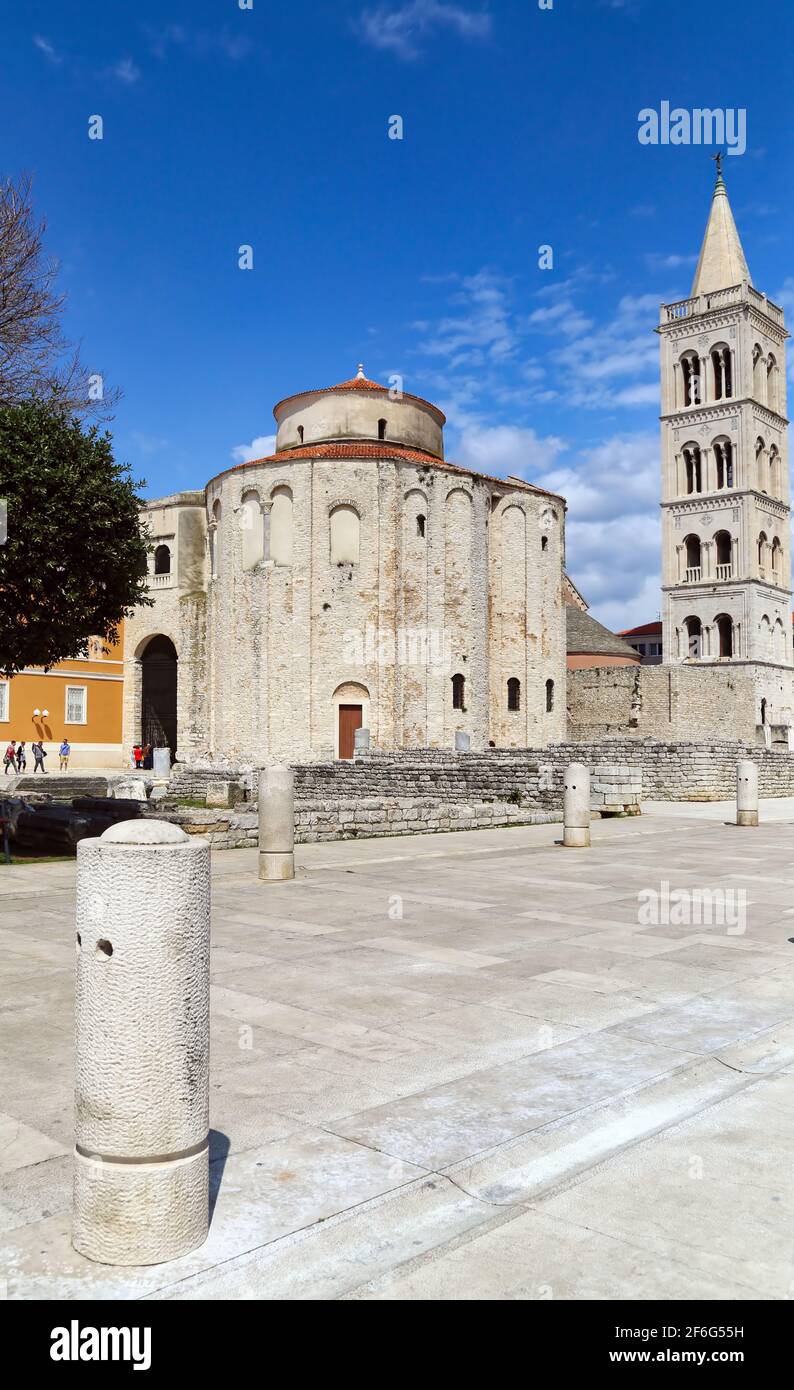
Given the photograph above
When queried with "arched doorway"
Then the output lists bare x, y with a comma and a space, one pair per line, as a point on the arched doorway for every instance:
351, 711
158, 705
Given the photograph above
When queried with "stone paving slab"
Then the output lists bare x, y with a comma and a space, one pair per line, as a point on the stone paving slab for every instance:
440, 1065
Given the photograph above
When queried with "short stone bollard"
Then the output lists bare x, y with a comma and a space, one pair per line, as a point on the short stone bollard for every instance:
462, 742
141, 1167
746, 793
276, 823
361, 741
161, 762
576, 807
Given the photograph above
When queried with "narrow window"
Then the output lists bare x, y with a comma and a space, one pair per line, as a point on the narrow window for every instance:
458, 691
725, 633
549, 696
544, 542
420, 525
300, 434
514, 693
381, 429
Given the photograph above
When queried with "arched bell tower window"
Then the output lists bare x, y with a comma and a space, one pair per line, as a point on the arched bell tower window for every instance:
723, 458
724, 626
693, 468
458, 691
723, 371
694, 562
724, 548
771, 382
690, 373
694, 635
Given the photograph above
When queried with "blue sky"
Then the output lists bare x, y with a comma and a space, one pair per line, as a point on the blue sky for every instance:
268, 127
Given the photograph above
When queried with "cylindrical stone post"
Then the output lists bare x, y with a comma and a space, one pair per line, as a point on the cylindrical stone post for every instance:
462, 742
276, 823
361, 741
576, 807
746, 793
141, 1168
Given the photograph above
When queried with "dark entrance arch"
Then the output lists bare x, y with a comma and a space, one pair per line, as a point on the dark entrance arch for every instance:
158, 714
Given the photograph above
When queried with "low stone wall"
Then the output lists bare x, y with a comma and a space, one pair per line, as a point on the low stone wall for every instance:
343, 819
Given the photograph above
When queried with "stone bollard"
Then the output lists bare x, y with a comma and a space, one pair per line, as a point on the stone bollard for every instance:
141, 1167
462, 742
361, 741
276, 823
161, 762
576, 807
746, 793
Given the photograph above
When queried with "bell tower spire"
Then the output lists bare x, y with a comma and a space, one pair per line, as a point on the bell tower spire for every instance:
722, 261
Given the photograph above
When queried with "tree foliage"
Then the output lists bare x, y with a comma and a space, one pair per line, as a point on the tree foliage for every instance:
75, 560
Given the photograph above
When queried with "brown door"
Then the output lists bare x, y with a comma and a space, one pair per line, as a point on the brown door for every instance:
350, 719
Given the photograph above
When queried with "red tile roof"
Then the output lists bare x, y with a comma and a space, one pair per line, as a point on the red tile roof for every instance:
370, 449
641, 631
364, 384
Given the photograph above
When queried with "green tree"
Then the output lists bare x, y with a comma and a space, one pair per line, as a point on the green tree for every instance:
74, 562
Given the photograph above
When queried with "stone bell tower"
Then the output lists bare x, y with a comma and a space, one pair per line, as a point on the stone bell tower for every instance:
726, 561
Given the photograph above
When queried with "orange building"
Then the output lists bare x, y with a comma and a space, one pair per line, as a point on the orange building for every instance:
79, 699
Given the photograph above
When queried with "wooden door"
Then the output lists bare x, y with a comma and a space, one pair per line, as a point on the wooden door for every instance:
350, 719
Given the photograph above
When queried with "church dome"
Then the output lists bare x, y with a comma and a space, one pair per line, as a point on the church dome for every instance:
359, 409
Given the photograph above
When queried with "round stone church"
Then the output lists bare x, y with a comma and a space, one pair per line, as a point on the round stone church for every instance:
354, 579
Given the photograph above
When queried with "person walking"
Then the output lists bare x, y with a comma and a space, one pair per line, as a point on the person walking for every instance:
137, 754
39, 754
22, 760
63, 753
10, 756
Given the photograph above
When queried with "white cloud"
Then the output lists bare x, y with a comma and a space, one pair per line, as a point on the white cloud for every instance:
199, 42
126, 71
48, 49
259, 448
562, 317
655, 261
501, 450
481, 332
401, 30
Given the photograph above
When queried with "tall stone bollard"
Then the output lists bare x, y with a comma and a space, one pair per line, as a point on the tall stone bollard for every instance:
746, 793
276, 823
141, 1168
462, 742
576, 807
361, 741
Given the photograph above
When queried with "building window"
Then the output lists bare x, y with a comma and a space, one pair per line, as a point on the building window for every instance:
724, 626
514, 693
381, 429
694, 557
300, 434
549, 696
692, 462
694, 634
280, 533
162, 560
544, 542
76, 704
458, 691
4, 702
420, 525
690, 371
345, 536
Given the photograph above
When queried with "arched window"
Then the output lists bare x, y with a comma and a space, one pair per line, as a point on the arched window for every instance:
544, 542
771, 382
281, 508
214, 537
690, 371
694, 631
300, 434
420, 525
723, 457
458, 691
779, 641
692, 464
765, 628
722, 368
777, 560
693, 559
761, 546
774, 472
760, 465
381, 429
162, 559
253, 531
763, 711
724, 548
514, 693
549, 696
758, 372
724, 626
345, 529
